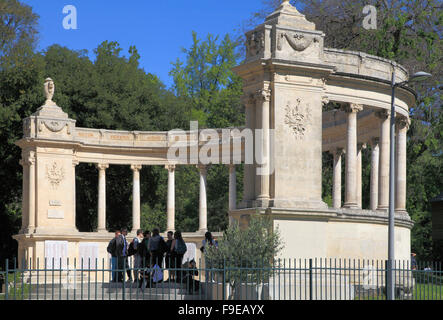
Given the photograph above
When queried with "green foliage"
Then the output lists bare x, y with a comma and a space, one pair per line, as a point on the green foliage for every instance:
248, 254
208, 83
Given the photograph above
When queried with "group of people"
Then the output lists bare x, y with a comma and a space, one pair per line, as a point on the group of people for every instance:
149, 251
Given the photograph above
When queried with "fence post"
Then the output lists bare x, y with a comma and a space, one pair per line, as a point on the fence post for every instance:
310, 279
386, 279
6, 280
224, 280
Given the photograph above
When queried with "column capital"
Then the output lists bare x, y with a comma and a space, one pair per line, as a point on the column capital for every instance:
374, 141
202, 168
136, 167
383, 114
402, 122
352, 107
324, 100
263, 95
102, 166
338, 151
170, 167
75, 162
248, 99
30, 160
361, 145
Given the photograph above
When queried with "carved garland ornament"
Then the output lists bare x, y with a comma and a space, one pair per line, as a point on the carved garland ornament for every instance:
297, 118
55, 174
298, 42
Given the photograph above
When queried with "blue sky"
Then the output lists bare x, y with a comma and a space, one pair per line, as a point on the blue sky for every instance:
159, 29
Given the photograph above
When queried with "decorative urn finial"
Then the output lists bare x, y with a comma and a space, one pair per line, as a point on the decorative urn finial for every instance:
49, 88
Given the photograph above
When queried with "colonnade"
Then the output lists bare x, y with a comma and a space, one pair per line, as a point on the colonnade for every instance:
379, 178
170, 221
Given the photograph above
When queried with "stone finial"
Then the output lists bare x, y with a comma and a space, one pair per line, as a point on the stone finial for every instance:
287, 15
49, 88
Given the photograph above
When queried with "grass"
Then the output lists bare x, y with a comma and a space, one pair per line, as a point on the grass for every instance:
19, 292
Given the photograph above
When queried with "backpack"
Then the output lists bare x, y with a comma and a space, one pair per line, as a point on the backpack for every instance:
181, 247
131, 249
111, 247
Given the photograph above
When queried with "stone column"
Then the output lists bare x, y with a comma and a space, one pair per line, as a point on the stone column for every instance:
360, 147
374, 173
170, 220
351, 155
136, 196
402, 126
383, 177
75, 163
249, 171
263, 98
102, 196
336, 178
203, 210
232, 187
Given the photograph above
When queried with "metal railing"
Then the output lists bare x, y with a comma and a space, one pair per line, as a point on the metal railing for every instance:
284, 279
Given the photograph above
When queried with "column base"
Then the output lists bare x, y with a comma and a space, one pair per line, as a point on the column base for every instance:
202, 231
102, 231
27, 230
351, 205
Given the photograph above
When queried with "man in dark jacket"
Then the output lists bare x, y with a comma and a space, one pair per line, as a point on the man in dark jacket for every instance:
122, 255
112, 249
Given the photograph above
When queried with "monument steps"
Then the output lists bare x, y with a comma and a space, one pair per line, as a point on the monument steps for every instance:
111, 291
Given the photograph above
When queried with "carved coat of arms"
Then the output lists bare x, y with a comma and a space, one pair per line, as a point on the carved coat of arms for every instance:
298, 118
55, 174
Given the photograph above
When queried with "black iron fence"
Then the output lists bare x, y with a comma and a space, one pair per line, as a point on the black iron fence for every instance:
284, 279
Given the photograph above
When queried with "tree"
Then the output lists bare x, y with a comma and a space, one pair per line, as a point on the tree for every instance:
247, 254
18, 31
212, 93
19, 70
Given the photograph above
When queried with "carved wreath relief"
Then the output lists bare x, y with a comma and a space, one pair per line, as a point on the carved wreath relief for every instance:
55, 174
298, 118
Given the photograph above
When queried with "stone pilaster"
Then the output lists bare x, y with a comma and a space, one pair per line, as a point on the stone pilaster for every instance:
135, 196
263, 98
383, 178
336, 179
374, 173
203, 209
351, 154
402, 126
170, 220
102, 196
28, 202
249, 171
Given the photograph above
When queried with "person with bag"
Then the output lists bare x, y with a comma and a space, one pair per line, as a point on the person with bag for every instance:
157, 247
112, 251
123, 260
179, 248
133, 251
168, 255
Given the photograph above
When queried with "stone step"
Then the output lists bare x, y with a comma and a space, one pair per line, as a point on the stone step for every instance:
112, 291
